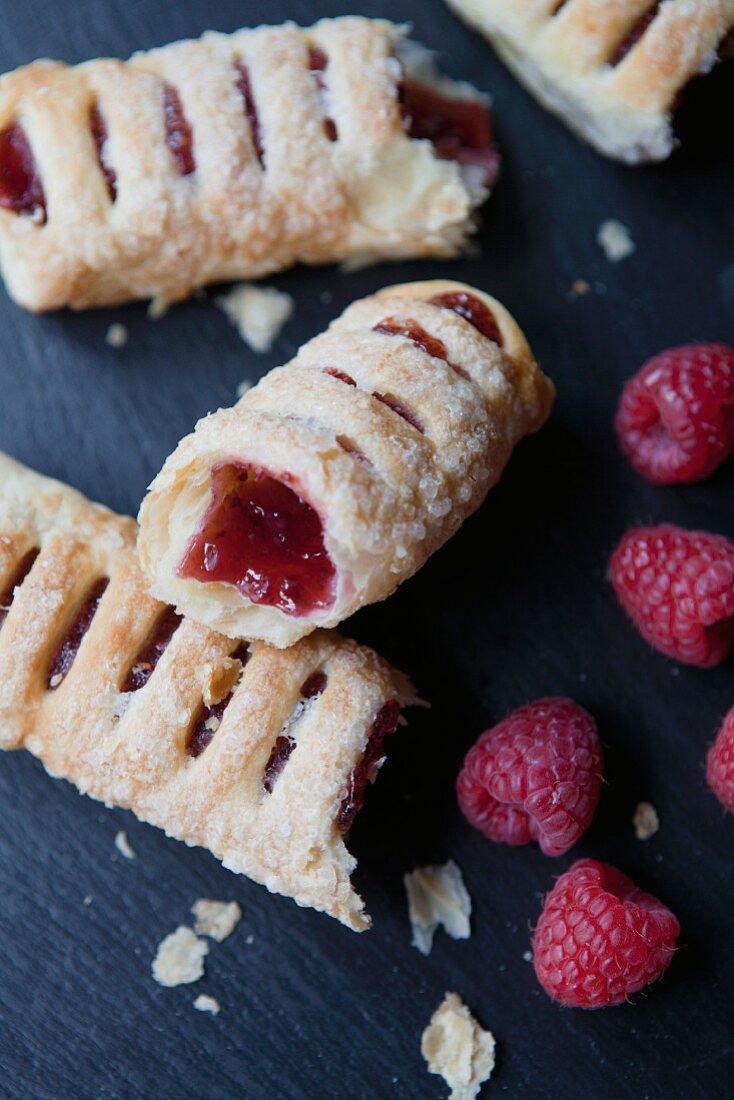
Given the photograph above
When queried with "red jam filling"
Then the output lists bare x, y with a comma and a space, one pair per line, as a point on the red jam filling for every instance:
460, 129
259, 535
98, 126
472, 310
633, 37
340, 375
178, 132
318, 63
366, 771
417, 335
314, 685
21, 189
69, 647
152, 651
284, 744
8, 593
244, 85
401, 410
201, 735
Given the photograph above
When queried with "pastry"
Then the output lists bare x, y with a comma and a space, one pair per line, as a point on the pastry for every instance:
337, 476
613, 70
231, 157
259, 754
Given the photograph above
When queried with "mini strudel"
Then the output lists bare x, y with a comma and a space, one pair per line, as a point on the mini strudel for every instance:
337, 476
613, 70
231, 157
259, 754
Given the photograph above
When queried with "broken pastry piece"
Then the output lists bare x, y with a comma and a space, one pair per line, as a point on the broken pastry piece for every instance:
458, 1049
338, 475
231, 157
613, 70
258, 754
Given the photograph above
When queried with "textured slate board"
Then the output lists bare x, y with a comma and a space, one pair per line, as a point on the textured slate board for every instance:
515, 607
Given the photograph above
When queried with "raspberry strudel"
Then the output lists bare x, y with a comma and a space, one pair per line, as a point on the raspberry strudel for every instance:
258, 754
338, 475
613, 70
231, 157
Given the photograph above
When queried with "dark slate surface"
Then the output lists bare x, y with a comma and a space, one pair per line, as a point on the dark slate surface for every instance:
515, 607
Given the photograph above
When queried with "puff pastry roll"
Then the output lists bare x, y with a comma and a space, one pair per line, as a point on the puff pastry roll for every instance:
259, 754
337, 476
613, 70
231, 157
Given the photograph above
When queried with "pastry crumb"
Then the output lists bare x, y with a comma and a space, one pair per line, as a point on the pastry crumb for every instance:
250, 940
645, 820
55, 680
116, 336
615, 240
205, 1003
458, 1049
124, 846
580, 287
87, 899
258, 312
158, 307
245, 385
527, 956
437, 895
217, 919
180, 958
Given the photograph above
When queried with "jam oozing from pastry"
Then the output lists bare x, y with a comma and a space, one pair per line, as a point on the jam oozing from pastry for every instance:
284, 743
417, 335
22, 570
460, 129
366, 771
21, 189
178, 132
399, 408
98, 126
472, 310
152, 651
341, 375
244, 85
318, 62
259, 535
69, 647
631, 39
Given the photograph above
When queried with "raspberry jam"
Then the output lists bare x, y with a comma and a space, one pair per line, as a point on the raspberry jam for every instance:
21, 189
366, 771
67, 651
418, 336
318, 62
472, 310
178, 132
98, 126
284, 743
151, 653
401, 410
244, 85
21, 572
259, 535
633, 37
340, 375
204, 730
460, 129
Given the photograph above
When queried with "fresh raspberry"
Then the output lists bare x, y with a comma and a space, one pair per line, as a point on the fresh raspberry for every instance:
677, 586
534, 776
720, 763
599, 938
676, 416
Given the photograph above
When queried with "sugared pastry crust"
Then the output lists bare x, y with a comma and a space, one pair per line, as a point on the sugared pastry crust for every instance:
337, 476
612, 69
231, 157
261, 755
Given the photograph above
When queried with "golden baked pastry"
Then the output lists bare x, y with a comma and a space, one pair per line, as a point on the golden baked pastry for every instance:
613, 70
259, 754
337, 476
231, 157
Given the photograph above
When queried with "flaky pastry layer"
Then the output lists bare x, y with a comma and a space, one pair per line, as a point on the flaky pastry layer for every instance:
129, 742
611, 78
389, 488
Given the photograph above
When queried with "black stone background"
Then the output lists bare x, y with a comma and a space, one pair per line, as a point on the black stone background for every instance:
516, 606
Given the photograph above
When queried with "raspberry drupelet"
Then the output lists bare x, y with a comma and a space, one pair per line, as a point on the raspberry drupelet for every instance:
720, 763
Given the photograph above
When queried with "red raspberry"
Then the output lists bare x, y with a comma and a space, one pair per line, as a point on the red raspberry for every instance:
720, 763
676, 416
599, 938
535, 776
677, 586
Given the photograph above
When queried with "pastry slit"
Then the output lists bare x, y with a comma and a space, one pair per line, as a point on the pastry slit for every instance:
634, 35
244, 86
98, 128
318, 62
286, 741
147, 658
72, 640
178, 132
19, 574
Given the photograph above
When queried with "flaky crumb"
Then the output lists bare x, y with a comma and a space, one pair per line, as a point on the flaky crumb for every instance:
180, 958
244, 386
258, 312
124, 846
217, 919
615, 240
158, 307
457, 1048
116, 336
55, 680
437, 895
527, 956
205, 1003
645, 820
